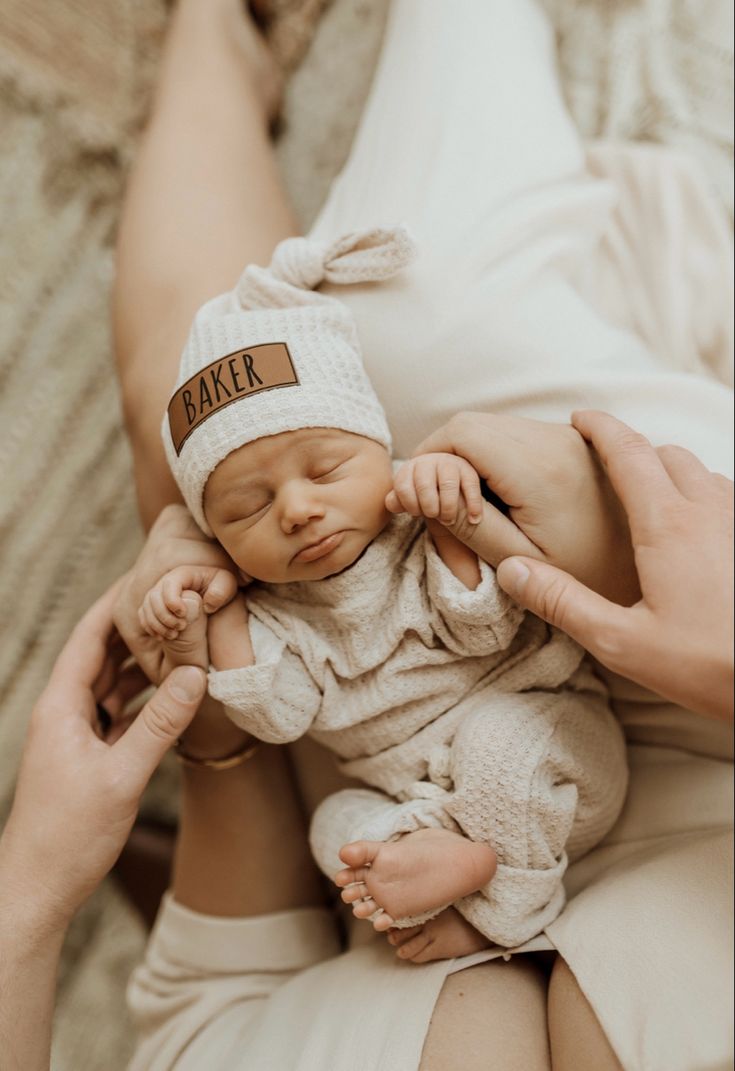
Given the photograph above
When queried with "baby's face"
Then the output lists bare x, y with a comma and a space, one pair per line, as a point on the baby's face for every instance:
302, 505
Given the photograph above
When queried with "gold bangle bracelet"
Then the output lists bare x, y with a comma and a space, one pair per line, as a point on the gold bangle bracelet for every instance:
227, 762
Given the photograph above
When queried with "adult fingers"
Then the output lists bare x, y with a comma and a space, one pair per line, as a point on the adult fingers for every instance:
598, 625
636, 472
497, 448
159, 724
85, 653
689, 475
516, 456
131, 682
494, 538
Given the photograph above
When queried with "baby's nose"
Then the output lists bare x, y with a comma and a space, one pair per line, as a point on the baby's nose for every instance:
300, 505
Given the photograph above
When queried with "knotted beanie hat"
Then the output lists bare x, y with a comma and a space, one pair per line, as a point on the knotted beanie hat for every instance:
274, 355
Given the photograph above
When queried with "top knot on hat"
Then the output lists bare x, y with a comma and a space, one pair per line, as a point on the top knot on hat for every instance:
275, 355
299, 265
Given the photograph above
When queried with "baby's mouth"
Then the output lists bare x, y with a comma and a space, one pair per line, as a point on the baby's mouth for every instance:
314, 551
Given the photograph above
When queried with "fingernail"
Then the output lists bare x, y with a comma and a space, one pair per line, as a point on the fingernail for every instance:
187, 683
514, 576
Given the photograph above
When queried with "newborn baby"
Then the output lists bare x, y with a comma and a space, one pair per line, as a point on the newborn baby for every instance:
382, 637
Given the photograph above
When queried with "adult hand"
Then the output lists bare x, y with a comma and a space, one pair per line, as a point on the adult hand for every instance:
678, 639
78, 793
561, 507
175, 539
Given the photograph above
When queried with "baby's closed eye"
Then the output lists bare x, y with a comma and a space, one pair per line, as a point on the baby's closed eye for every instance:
249, 510
323, 472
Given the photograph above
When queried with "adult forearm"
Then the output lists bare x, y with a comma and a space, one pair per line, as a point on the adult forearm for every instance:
30, 948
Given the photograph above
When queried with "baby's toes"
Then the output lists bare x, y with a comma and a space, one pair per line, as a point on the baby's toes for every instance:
359, 853
383, 922
363, 909
416, 948
399, 937
354, 892
350, 876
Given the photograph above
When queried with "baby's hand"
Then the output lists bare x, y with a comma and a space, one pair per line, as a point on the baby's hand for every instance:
163, 612
432, 485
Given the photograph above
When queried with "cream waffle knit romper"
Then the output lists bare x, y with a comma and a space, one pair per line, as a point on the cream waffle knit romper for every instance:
467, 715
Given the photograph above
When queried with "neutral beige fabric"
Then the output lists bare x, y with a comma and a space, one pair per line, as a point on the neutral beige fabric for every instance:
267, 993
561, 277
471, 715
69, 77
522, 291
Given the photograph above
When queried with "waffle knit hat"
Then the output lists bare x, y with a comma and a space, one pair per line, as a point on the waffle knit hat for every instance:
273, 355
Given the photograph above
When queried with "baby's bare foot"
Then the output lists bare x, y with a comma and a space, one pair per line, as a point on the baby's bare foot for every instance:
420, 872
446, 936
189, 648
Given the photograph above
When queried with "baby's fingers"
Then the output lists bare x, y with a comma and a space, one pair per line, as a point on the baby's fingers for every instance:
216, 587
151, 622
426, 482
448, 479
404, 490
220, 590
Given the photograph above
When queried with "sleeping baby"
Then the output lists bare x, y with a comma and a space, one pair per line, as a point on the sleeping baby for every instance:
491, 755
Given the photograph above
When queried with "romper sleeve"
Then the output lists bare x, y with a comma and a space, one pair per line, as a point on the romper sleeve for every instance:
470, 622
276, 698
199, 996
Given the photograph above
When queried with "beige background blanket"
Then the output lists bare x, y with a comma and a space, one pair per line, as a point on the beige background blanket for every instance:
74, 83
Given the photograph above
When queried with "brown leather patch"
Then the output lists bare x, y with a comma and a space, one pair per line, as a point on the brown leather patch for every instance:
235, 376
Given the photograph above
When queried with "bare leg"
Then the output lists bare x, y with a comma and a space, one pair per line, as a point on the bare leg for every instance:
204, 199
225, 861
577, 1039
493, 1015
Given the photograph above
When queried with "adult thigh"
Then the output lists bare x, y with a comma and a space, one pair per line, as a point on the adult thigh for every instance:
491, 1015
575, 1035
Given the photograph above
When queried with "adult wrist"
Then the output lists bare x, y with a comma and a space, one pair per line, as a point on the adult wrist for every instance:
30, 910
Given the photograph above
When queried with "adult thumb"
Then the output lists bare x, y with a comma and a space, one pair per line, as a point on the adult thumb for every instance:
561, 600
161, 722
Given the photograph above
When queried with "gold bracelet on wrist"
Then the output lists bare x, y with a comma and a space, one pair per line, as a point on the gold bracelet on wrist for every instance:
227, 762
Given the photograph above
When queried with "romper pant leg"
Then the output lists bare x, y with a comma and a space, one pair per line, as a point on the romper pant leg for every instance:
540, 777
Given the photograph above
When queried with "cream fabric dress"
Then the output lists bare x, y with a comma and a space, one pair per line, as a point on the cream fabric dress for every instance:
552, 276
